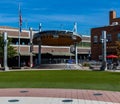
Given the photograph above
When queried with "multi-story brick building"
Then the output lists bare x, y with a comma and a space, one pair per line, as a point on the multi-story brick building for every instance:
50, 54
112, 35
24, 43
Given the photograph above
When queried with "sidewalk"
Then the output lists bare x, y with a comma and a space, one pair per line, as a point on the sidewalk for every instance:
57, 96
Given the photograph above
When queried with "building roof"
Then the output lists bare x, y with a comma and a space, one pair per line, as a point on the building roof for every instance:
56, 38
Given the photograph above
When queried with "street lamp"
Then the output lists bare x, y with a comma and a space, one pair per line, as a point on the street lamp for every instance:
5, 51
104, 61
31, 48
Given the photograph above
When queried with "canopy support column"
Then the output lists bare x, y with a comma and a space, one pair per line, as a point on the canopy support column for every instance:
39, 53
76, 54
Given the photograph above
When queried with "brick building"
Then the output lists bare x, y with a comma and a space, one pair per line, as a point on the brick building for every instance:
50, 54
112, 35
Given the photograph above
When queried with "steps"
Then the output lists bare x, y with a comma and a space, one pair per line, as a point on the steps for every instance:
59, 66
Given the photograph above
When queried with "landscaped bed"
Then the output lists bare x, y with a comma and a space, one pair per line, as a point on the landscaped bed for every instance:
75, 79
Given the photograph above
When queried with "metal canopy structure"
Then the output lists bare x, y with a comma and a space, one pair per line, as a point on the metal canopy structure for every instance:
56, 38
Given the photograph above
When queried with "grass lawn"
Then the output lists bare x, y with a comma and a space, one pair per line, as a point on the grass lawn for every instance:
74, 79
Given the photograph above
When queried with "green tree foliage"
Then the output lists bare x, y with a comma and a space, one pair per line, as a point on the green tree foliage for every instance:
118, 48
11, 51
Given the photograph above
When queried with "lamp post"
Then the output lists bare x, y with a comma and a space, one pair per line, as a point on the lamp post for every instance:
39, 46
89, 55
5, 51
104, 61
76, 53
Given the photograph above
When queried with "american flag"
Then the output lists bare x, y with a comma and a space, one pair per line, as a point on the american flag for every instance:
20, 19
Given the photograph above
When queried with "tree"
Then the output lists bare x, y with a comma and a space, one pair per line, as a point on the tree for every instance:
118, 48
11, 51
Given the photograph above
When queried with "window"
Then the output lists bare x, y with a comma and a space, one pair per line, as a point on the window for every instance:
100, 38
16, 43
84, 44
119, 36
23, 43
109, 37
95, 39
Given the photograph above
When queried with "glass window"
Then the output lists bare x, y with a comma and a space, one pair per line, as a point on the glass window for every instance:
119, 36
109, 37
23, 43
95, 39
16, 43
84, 44
100, 38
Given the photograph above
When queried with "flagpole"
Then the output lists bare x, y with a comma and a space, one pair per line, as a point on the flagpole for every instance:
19, 49
19, 14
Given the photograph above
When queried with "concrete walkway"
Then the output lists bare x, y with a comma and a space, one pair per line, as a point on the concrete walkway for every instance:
57, 96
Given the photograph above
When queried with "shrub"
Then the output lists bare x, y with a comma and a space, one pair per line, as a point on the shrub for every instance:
86, 64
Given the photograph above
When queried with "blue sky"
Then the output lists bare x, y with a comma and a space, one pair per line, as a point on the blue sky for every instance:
58, 14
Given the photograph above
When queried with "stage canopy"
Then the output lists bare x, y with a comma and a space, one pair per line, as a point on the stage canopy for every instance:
56, 38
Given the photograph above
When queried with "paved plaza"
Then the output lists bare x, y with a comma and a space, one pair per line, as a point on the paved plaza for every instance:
57, 96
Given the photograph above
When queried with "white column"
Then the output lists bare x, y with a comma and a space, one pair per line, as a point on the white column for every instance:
5, 51
76, 54
39, 53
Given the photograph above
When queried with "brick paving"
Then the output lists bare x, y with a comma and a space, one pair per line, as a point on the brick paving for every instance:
84, 95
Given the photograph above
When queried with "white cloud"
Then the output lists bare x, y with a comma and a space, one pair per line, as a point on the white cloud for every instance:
5, 18
35, 9
96, 19
62, 17
92, 19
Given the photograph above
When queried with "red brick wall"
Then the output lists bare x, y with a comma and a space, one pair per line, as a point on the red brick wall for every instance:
23, 49
96, 48
15, 33
50, 49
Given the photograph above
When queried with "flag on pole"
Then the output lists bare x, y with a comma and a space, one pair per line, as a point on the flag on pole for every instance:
20, 30
20, 19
